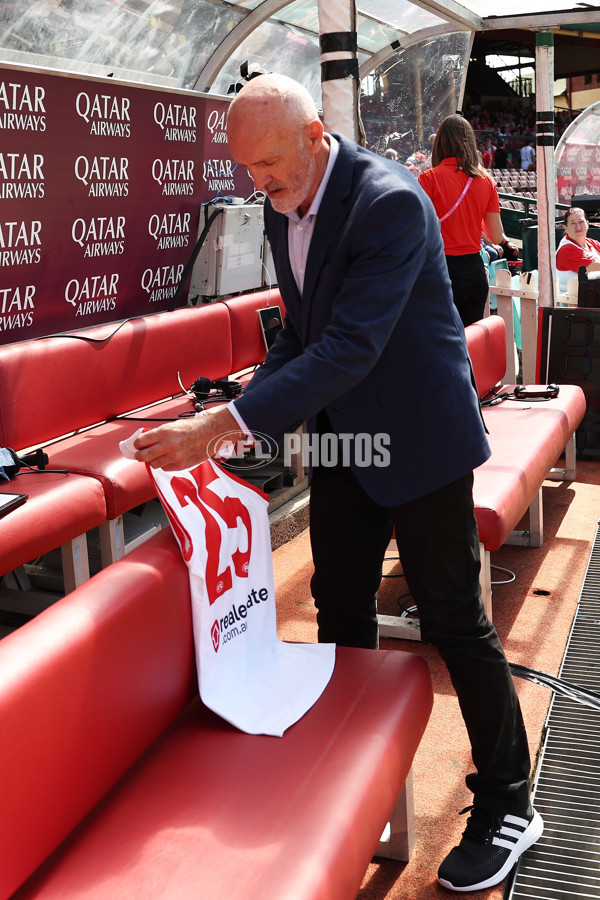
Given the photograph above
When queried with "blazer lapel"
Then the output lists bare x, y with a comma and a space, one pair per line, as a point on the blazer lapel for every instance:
277, 228
333, 212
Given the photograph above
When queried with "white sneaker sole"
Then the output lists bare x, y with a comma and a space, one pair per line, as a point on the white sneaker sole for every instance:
532, 833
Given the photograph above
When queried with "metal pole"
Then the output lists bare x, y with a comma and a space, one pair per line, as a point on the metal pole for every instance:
546, 168
419, 100
340, 82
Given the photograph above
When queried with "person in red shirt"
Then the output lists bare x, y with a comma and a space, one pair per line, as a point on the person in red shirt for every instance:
486, 158
488, 154
466, 200
576, 249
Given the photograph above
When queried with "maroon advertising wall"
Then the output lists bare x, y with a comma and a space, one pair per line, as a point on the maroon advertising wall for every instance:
101, 184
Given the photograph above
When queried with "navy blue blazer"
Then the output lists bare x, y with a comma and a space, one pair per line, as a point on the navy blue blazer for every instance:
375, 339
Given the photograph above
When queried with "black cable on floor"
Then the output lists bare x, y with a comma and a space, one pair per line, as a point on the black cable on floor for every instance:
558, 685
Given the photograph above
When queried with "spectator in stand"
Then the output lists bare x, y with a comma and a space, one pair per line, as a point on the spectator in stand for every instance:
427, 163
390, 153
490, 150
576, 249
492, 251
416, 162
501, 156
504, 250
507, 118
466, 200
486, 156
527, 155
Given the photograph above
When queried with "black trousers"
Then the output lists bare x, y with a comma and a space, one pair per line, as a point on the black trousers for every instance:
470, 286
438, 545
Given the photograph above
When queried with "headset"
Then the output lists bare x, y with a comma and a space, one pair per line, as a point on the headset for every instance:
33, 462
522, 392
226, 389
202, 391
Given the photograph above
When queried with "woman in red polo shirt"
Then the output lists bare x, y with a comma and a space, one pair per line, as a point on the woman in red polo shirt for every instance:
466, 200
576, 249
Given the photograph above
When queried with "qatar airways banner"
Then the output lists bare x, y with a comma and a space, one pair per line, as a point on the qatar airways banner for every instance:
101, 185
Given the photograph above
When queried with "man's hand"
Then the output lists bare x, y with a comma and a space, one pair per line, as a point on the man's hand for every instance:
187, 442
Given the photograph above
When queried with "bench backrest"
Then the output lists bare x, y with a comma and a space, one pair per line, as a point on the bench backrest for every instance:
248, 346
85, 687
53, 386
486, 343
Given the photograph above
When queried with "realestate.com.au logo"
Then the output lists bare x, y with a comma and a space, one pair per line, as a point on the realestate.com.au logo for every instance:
233, 623
328, 449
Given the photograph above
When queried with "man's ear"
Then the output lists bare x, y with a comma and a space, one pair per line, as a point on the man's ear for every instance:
314, 134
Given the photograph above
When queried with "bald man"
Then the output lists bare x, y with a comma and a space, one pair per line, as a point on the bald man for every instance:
373, 356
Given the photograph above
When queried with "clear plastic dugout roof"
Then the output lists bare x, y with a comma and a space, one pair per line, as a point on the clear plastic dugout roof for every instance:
201, 44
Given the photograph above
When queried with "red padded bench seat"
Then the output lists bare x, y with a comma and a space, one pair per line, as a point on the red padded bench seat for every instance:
216, 341
77, 385
59, 511
115, 785
527, 439
138, 365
